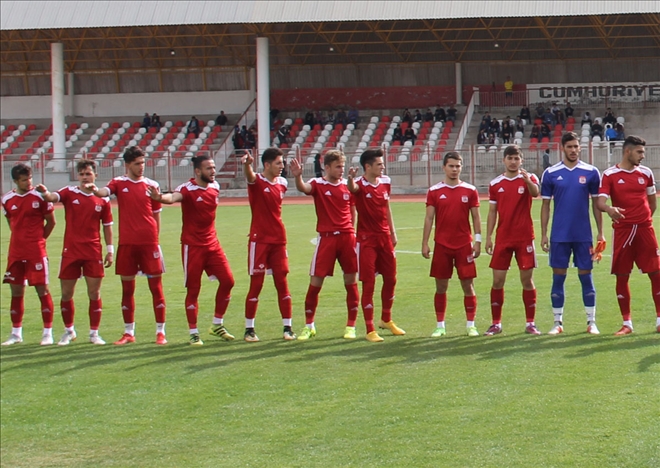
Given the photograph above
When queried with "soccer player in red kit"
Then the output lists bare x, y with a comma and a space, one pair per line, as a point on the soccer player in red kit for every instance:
200, 248
376, 239
450, 204
31, 221
81, 253
510, 196
631, 187
267, 244
138, 251
335, 241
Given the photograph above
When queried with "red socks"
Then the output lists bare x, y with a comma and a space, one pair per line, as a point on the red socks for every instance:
128, 300
655, 290
387, 298
352, 303
311, 302
192, 307
47, 310
470, 304
440, 304
496, 303
252, 299
222, 298
623, 295
158, 298
68, 312
529, 299
95, 310
283, 295
368, 304
17, 311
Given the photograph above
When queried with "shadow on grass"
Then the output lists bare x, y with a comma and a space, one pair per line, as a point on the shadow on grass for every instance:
394, 351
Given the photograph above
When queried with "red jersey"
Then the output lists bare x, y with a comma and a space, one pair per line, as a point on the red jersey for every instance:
198, 213
372, 204
137, 225
514, 208
26, 214
629, 190
452, 212
83, 213
333, 205
266, 206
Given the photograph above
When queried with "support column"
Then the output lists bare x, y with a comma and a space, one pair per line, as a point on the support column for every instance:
71, 93
252, 75
459, 82
263, 94
57, 100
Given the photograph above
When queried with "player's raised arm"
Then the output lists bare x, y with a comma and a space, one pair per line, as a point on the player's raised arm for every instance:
247, 162
297, 170
46, 195
428, 226
167, 199
532, 186
476, 226
490, 227
351, 185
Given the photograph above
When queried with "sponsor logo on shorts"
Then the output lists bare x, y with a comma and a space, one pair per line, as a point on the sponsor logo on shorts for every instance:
39, 266
470, 259
530, 248
582, 180
156, 254
657, 252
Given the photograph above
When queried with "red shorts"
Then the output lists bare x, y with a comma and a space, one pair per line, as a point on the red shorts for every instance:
634, 244
331, 247
73, 268
139, 259
444, 260
205, 258
21, 272
267, 258
524, 252
375, 256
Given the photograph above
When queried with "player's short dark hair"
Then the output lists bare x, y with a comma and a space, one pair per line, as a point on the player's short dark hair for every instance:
568, 136
369, 156
199, 159
332, 156
84, 164
512, 150
132, 153
451, 155
270, 155
19, 170
632, 140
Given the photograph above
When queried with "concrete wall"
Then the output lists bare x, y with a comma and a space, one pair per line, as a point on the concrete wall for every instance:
110, 105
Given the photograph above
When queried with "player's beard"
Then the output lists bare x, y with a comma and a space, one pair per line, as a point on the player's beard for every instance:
207, 179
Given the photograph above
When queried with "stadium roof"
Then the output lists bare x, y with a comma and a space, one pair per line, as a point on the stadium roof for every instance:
134, 36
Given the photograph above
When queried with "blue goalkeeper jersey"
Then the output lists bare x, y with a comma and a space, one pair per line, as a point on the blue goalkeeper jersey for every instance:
571, 190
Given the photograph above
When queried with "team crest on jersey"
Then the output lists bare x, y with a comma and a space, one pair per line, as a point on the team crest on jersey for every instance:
641, 180
98, 208
582, 179
346, 196
35, 204
521, 190
39, 266
464, 199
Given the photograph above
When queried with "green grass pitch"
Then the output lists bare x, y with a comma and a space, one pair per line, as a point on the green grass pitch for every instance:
511, 400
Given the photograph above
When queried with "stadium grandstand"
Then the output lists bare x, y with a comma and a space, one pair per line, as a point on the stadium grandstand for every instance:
78, 77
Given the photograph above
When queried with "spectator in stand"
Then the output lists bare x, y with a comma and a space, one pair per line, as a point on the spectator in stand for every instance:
540, 111
319, 118
620, 134
555, 108
409, 134
536, 132
546, 159
484, 125
609, 117
586, 118
549, 118
283, 134
440, 115
406, 117
597, 130
482, 138
273, 117
330, 119
353, 117
237, 139
221, 119
524, 113
193, 126
545, 130
155, 121
428, 116
418, 116
508, 91
341, 118
251, 139
495, 128
398, 134
451, 113
318, 171
520, 126
146, 120
487, 118
309, 119
559, 116
568, 110
610, 133
507, 132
